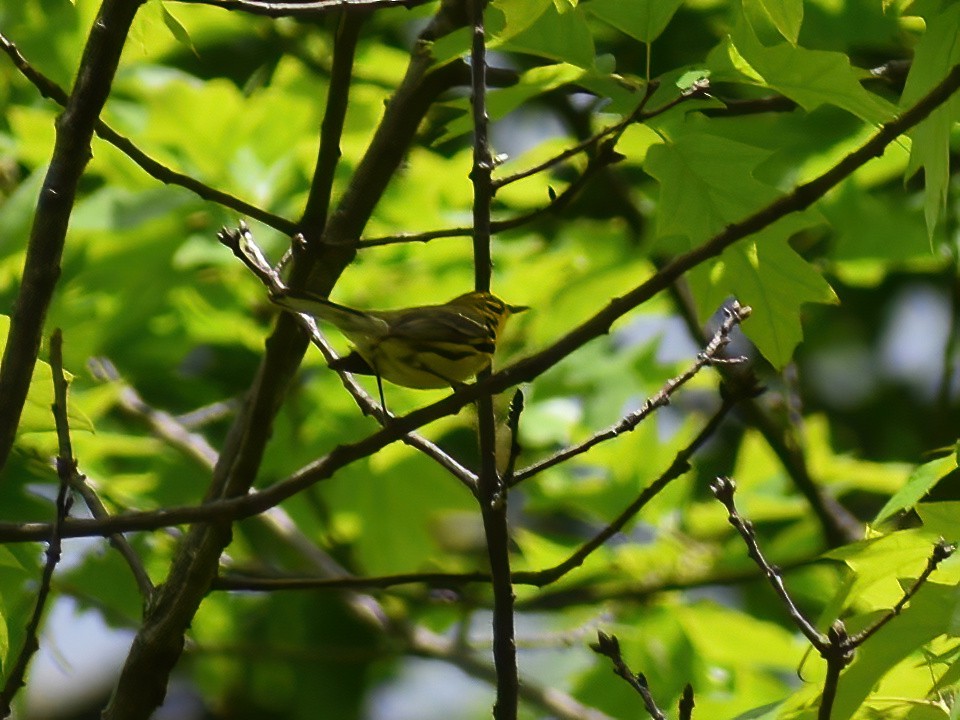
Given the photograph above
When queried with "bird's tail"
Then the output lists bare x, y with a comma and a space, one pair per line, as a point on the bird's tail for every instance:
349, 321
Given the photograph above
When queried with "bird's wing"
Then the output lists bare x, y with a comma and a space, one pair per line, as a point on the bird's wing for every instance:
445, 325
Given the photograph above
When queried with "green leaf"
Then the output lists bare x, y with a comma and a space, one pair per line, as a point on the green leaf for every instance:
644, 20
706, 182
920, 482
873, 226
940, 518
769, 276
37, 414
930, 613
786, 15
809, 77
937, 51
518, 15
559, 37
177, 29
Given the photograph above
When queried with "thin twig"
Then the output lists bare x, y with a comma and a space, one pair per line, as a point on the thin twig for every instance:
679, 466
66, 470
98, 510
491, 490
564, 598
834, 646
839, 526
735, 313
723, 489
609, 647
513, 426
685, 708
256, 583
555, 204
605, 155
587, 593
590, 143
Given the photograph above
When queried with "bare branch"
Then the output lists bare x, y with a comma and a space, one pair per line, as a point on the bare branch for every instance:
680, 465
723, 489
491, 490
736, 314
513, 425
839, 526
609, 647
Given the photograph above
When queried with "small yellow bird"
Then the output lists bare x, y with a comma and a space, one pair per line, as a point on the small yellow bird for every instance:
428, 346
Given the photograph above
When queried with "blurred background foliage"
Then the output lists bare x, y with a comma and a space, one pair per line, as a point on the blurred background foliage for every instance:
870, 398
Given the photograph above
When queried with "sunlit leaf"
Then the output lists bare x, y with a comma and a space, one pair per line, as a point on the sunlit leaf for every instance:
644, 20
937, 51
920, 482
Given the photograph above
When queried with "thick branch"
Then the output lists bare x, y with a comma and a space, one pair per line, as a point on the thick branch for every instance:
492, 493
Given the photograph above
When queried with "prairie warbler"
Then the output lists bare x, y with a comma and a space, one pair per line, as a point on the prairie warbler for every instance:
428, 346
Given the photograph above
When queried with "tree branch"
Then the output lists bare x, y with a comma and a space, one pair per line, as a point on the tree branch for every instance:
604, 155
609, 647
735, 315
839, 526
491, 491
723, 489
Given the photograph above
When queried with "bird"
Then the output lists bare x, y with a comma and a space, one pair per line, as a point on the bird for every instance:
422, 347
